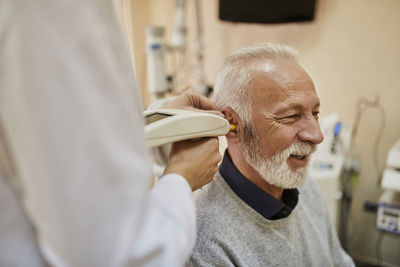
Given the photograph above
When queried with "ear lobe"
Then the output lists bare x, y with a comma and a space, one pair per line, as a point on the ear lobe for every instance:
230, 115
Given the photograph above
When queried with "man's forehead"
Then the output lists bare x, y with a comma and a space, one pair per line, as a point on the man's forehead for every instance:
281, 82
279, 71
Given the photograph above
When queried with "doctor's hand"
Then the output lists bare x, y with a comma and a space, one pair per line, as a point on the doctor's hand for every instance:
191, 100
196, 161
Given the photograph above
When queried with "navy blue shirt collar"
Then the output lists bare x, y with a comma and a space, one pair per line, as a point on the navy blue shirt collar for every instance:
264, 203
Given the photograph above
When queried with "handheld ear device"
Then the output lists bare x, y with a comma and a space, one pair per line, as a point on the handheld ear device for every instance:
165, 126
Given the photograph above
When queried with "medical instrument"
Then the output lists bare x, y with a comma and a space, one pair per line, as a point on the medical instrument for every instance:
159, 83
165, 126
156, 76
388, 212
326, 165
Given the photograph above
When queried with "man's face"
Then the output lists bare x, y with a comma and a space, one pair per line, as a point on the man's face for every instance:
285, 130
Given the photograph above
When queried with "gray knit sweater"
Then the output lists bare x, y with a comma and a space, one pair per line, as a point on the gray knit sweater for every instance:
230, 233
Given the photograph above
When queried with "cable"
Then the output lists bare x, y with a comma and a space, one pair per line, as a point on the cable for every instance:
378, 245
361, 106
361, 103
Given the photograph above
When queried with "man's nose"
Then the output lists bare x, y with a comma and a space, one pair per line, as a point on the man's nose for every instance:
311, 132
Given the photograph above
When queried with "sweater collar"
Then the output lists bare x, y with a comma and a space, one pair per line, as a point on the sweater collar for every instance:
264, 203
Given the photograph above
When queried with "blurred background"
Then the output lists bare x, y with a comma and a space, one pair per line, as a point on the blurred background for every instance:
351, 49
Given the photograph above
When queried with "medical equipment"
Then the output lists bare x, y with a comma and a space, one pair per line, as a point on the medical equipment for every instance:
159, 83
388, 212
327, 163
156, 77
393, 159
165, 126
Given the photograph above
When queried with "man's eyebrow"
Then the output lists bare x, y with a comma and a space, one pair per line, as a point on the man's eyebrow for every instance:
283, 107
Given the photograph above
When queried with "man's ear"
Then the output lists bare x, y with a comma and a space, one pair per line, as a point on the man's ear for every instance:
230, 115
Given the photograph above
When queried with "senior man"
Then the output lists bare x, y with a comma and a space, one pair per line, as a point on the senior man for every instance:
257, 212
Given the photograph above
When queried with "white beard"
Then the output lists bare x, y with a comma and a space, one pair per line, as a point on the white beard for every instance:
275, 169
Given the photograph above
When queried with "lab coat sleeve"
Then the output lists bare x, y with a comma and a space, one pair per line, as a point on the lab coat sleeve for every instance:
74, 121
167, 220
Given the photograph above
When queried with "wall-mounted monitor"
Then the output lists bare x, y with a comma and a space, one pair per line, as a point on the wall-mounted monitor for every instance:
267, 11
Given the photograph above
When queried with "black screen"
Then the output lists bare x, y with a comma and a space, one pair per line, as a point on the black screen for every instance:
266, 11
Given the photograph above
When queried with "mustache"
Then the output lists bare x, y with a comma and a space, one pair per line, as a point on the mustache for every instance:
302, 149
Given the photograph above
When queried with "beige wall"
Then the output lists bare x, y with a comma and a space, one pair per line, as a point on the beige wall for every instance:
351, 50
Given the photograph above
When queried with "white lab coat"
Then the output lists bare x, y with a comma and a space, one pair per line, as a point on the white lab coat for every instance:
74, 125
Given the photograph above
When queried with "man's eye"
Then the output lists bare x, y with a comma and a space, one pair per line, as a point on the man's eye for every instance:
294, 116
290, 118
316, 115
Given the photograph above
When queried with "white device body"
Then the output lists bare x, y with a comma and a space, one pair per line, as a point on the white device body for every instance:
388, 214
393, 158
391, 175
165, 126
391, 179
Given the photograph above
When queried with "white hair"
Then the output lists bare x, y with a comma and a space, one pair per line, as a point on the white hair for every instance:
234, 80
